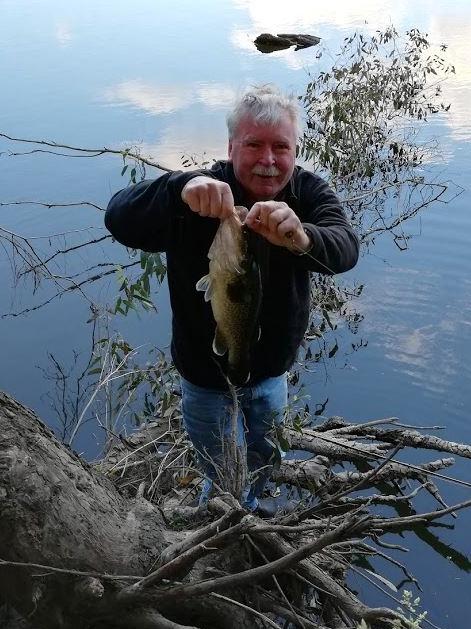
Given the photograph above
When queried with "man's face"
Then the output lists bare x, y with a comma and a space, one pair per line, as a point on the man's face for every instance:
263, 156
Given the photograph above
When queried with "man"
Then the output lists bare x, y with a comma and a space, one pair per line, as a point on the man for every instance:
297, 226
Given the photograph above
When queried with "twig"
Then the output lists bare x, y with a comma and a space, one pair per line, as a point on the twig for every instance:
386, 592
335, 497
93, 152
74, 573
268, 604
276, 582
254, 575
51, 205
389, 524
247, 608
395, 562
192, 540
183, 562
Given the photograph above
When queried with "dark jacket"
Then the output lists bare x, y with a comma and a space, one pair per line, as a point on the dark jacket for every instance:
152, 216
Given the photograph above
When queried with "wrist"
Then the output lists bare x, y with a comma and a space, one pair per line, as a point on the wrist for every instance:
304, 243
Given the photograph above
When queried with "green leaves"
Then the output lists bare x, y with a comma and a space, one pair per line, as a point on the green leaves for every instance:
364, 119
138, 164
134, 389
135, 293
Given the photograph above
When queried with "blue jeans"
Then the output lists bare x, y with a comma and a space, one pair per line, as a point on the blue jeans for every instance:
207, 417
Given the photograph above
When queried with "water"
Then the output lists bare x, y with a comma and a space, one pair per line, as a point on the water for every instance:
105, 74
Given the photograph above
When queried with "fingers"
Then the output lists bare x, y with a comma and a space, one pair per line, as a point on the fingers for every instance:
275, 221
208, 197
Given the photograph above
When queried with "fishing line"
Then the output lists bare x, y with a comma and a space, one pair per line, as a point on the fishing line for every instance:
366, 454
356, 449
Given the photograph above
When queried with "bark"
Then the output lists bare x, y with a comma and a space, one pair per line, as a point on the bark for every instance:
55, 510
82, 548
309, 475
338, 448
85, 539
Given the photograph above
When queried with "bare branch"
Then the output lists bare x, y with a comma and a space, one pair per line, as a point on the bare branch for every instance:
51, 205
81, 150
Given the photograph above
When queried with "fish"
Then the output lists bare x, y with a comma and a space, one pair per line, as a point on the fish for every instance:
234, 287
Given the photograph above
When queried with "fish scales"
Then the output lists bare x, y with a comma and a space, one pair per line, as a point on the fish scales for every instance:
233, 286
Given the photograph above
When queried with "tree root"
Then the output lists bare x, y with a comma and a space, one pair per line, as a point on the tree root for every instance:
233, 570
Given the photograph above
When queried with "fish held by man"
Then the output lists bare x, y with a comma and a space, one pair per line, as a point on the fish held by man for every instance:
233, 285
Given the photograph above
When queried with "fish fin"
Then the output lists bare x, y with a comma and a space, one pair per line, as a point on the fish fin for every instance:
259, 333
205, 284
219, 344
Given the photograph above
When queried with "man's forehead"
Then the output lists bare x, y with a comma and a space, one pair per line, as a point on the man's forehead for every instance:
250, 129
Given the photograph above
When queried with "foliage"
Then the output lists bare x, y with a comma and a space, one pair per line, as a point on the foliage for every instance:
139, 291
408, 604
137, 165
364, 118
132, 390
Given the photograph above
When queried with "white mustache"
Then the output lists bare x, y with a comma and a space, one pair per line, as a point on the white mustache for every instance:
271, 171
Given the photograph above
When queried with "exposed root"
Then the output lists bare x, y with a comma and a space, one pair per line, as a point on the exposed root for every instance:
221, 566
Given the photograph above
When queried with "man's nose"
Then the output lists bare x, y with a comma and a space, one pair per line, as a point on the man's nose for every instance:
267, 157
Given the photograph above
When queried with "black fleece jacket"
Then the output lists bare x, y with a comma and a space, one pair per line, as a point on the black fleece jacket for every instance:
152, 216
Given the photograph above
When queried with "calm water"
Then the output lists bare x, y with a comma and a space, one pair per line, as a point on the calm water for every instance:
107, 74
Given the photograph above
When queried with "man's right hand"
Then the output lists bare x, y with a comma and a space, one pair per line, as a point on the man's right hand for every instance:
208, 197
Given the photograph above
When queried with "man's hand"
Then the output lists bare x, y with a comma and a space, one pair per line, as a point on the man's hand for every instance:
279, 224
208, 197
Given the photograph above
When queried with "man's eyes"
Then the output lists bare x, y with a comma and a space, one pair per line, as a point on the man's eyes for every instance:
276, 147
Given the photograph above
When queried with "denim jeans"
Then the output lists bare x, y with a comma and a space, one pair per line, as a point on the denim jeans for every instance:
207, 417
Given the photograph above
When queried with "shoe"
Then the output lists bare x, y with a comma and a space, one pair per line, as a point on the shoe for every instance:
271, 507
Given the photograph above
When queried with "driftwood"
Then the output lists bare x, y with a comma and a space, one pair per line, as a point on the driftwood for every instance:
117, 544
269, 43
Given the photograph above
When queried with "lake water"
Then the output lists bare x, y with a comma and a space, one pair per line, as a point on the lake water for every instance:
161, 75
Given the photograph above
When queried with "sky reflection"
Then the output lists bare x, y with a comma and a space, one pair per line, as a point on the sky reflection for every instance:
158, 93
420, 336
161, 76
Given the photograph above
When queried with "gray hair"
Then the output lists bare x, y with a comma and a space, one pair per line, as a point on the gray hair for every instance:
264, 104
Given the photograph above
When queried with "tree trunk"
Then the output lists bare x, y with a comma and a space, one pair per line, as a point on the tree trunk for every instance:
75, 553
55, 510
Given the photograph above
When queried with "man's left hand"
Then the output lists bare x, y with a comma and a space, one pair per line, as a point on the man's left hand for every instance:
279, 224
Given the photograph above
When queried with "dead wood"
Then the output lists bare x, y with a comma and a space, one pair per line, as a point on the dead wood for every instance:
269, 43
115, 544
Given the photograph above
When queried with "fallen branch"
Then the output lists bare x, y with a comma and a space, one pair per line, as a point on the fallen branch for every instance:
183, 566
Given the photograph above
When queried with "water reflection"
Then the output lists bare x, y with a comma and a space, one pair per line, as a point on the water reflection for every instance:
63, 33
454, 28
451, 26
290, 17
420, 336
152, 99
158, 99
175, 142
